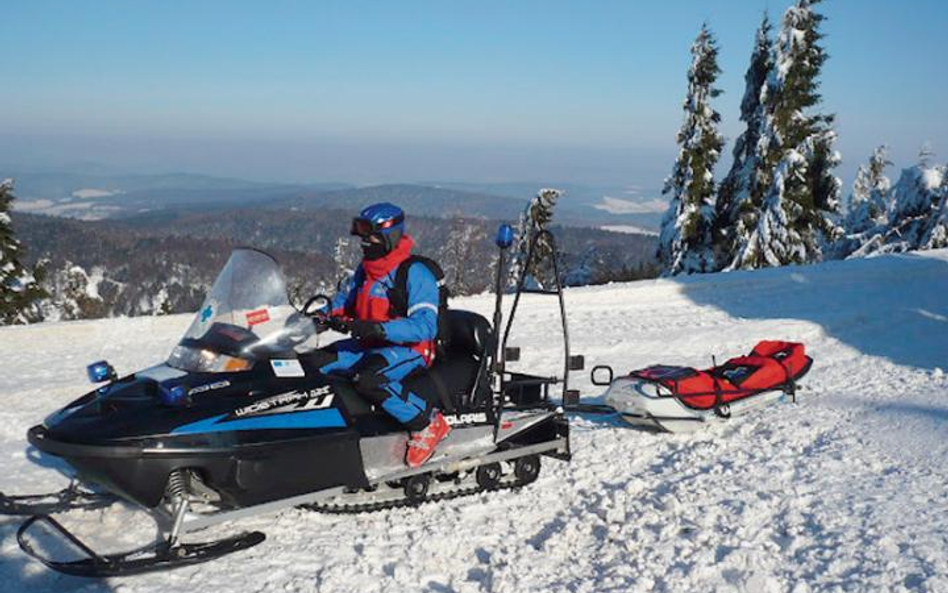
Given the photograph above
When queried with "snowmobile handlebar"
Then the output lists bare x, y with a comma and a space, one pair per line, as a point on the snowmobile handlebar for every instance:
317, 309
316, 306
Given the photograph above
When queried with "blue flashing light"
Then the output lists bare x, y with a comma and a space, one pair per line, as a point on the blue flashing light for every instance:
100, 371
505, 236
175, 397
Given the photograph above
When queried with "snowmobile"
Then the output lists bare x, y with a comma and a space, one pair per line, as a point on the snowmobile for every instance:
681, 399
237, 423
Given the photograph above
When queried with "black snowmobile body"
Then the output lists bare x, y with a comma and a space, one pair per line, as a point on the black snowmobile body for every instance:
254, 437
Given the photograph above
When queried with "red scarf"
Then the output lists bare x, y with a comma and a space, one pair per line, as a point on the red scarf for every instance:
378, 268
372, 308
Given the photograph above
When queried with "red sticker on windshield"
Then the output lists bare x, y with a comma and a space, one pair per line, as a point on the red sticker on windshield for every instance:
257, 317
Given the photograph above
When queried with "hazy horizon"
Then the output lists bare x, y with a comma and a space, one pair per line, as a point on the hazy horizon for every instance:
369, 93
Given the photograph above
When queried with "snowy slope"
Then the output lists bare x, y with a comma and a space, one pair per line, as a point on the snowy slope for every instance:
845, 490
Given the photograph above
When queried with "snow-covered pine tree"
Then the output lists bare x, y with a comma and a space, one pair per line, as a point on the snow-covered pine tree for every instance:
916, 211
925, 156
74, 295
685, 241
823, 220
19, 289
459, 252
589, 269
798, 147
535, 217
740, 195
867, 203
346, 257
937, 235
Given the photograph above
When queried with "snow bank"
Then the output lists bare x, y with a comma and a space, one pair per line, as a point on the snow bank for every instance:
629, 230
91, 193
844, 490
619, 206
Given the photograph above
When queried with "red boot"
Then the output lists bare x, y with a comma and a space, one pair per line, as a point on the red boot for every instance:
421, 445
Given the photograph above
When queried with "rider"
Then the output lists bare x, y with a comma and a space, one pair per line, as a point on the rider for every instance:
385, 349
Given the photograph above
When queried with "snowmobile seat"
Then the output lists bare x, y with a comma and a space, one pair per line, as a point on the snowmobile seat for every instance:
450, 382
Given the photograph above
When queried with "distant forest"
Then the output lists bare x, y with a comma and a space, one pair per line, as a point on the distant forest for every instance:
163, 262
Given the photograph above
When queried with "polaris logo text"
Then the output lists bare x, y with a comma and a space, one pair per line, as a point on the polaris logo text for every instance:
294, 401
472, 418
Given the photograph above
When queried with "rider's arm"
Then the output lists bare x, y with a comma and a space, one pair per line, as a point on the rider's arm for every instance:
421, 323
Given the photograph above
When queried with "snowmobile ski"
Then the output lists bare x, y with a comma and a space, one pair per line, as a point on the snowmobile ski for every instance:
69, 498
159, 557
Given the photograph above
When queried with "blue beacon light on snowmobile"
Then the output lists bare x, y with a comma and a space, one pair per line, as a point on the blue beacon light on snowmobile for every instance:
100, 371
505, 236
175, 397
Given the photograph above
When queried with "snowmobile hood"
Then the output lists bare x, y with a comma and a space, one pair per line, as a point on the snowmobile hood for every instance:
218, 405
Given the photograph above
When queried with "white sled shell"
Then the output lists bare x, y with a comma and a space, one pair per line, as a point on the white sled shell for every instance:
643, 403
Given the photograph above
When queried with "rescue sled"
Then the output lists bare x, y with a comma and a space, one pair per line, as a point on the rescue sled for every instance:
681, 399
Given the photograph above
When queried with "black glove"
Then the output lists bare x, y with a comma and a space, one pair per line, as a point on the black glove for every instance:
367, 330
338, 324
325, 321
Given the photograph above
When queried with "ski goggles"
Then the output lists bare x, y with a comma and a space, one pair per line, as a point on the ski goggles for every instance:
364, 228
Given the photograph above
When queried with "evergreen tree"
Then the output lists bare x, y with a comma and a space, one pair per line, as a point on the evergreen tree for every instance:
459, 251
535, 217
345, 257
19, 289
685, 242
915, 216
589, 269
798, 153
740, 196
868, 204
822, 218
937, 235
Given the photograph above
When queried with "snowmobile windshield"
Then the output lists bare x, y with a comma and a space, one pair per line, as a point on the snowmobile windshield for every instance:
247, 316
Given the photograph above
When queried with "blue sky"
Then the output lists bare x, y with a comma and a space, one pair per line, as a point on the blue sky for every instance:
586, 92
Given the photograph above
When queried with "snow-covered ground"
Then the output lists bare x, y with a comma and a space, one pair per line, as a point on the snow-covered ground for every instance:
843, 491
629, 229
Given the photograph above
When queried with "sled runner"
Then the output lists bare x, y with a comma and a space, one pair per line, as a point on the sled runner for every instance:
680, 399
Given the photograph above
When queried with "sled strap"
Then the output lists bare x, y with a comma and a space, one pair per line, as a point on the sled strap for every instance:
719, 400
790, 385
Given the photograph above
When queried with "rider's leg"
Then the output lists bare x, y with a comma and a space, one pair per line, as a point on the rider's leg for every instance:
337, 358
379, 379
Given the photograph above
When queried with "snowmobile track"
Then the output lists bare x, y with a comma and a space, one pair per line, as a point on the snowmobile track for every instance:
371, 507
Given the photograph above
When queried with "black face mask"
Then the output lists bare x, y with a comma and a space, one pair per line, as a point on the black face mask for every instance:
372, 251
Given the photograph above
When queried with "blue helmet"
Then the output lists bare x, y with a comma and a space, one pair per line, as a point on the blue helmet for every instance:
383, 220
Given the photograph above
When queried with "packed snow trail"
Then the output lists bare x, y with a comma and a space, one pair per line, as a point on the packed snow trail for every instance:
843, 491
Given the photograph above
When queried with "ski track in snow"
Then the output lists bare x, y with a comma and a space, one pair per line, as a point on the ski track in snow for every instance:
843, 491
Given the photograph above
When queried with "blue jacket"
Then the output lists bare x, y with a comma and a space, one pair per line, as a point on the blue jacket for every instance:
364, 298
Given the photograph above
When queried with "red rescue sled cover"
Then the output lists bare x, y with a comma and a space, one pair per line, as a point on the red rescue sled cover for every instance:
771, 365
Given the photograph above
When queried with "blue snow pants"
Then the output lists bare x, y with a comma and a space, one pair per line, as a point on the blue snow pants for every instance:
377, 374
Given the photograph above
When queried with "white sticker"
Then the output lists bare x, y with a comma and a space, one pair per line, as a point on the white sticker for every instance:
287, 368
